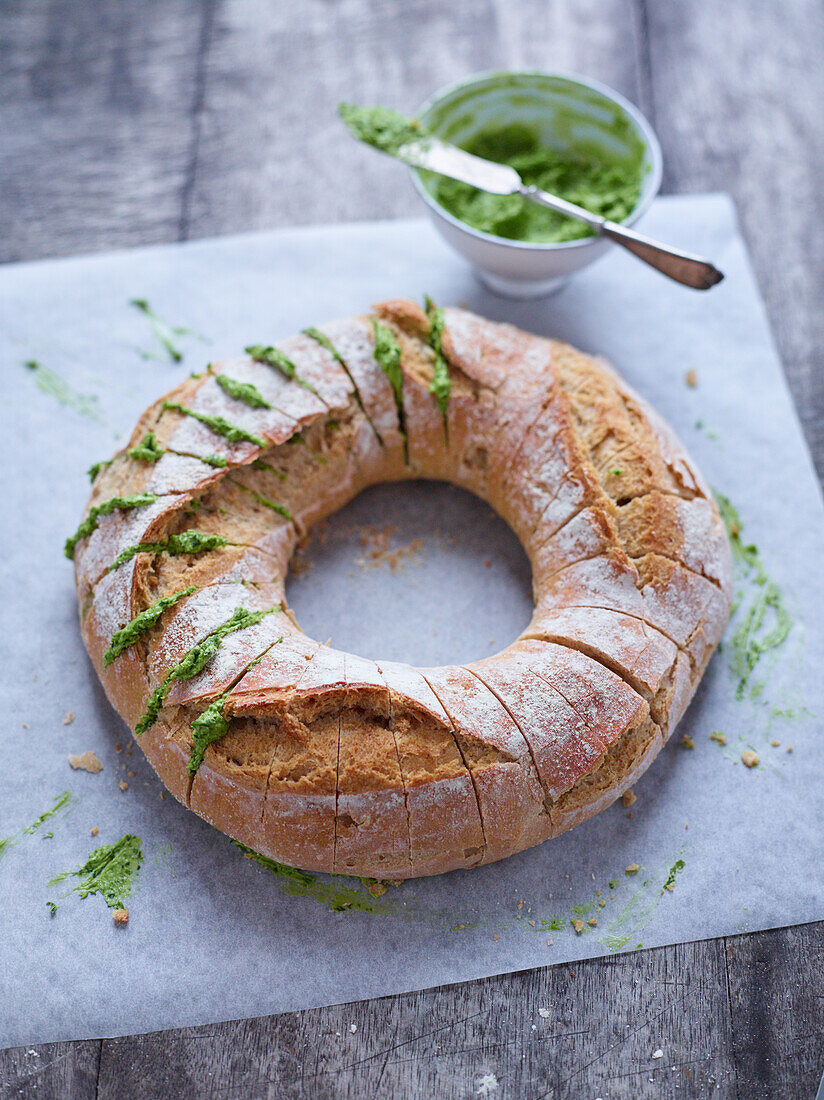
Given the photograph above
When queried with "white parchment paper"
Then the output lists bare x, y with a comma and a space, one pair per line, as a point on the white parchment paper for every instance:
400, 574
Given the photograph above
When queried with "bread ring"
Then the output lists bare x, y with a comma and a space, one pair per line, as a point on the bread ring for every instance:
331, 762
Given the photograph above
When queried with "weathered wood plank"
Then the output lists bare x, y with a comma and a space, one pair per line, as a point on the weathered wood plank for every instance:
606, 1019
777, 1007
738, 89
97, 134
51, 1072
272, 150
601, 39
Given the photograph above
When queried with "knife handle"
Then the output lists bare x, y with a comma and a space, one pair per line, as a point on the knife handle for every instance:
692, 271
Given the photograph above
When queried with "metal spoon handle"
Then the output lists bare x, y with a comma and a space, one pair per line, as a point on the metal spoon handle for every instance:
693, 271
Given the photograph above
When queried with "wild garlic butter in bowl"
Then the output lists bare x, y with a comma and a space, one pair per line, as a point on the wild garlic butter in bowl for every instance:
568, 135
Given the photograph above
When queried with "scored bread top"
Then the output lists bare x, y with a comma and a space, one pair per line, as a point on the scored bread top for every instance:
331, 762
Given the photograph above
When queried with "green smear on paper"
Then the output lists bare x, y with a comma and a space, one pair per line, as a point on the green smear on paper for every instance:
763, 621
639, 910
115, 504
219, 424
165, 333
58, 388
580, 911
196, 660
242, 391
128, 634
110, 870
62, 802
187, 542
676, 869
765, 625
302, 884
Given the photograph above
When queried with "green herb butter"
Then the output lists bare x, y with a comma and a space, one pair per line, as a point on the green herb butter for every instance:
207, 728
115, 504
274, 357
388, 357
441, 385
242, 391
380, 127
128, 634
186, 542
148, 450
110, 870
219, 424
324, 341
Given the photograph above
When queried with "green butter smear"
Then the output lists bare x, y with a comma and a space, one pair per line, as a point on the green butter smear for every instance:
196, 659
186, 542
604, 181
110, 870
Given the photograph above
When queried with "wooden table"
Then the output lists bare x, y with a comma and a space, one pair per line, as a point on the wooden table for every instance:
161, 120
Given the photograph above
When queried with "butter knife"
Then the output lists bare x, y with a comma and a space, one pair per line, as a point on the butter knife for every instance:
434, 155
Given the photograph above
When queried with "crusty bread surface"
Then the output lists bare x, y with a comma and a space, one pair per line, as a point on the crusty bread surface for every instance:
330, 762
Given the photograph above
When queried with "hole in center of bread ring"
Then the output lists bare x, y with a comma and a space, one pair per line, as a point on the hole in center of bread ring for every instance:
421, 572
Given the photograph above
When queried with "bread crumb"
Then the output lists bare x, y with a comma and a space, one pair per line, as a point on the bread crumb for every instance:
488, 563
353, 1028
628, 798
602, 904
118, 747
775, 744
544, 1013
121, 916
69, 718
124, 786
687, 742
376, 889
86, 762
789, 748
718, 737
95, 831
578, 925
130, 775
549, 943
750, 758
691, 378
658, 1053
593, 922
633, 869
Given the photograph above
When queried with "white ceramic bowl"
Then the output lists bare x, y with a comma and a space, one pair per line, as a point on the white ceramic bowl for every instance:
563, 110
